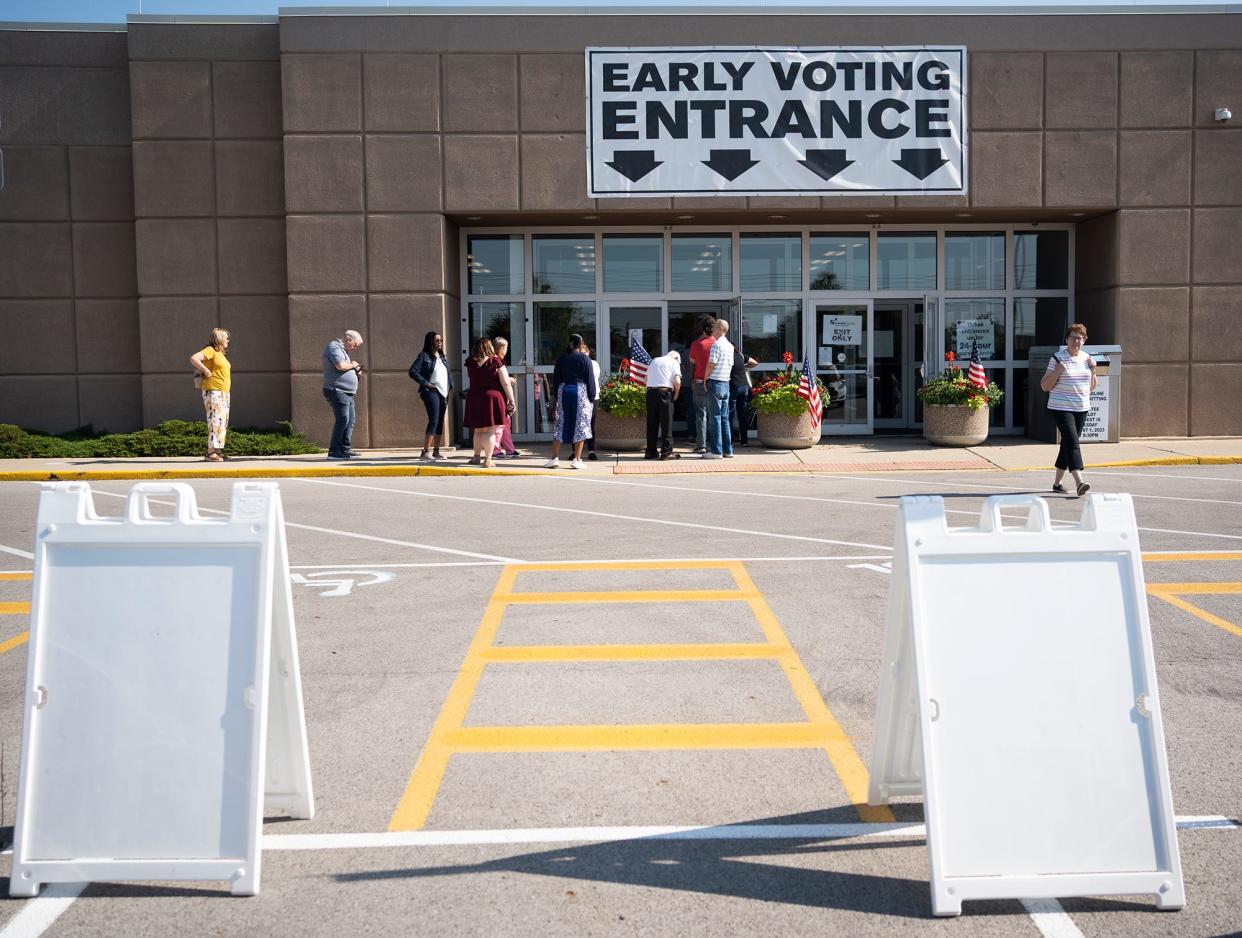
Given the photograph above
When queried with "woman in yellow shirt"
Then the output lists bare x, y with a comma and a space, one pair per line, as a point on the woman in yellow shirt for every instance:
216, 373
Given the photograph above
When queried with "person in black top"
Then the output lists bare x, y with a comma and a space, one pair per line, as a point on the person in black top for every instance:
574, 390
435, 381
739, 394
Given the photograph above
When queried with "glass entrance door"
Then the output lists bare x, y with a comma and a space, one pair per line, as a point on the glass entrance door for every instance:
644, 320
898, 342
505, 321
842, 337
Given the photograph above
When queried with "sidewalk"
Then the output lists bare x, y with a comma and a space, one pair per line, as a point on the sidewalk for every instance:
853, 454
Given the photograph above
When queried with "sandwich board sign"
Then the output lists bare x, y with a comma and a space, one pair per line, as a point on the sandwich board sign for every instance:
1018, 697
163, 710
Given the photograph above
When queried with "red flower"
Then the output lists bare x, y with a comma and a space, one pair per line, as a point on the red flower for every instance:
787, 358
950, 356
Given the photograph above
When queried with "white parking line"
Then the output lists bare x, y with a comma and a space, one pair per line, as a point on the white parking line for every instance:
41, 911
1051, 918
578, 561
16, 553
1161, 475
595, 514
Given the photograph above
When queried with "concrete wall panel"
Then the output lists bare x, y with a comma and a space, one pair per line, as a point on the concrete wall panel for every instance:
1218, 82
1155, 167
107, 337
1154, 400
1156, 88
260, 328
170, 99
101, 180
170, 397
174, 177
1080, 169
38, 337
110, 403
1218, 248
252, 255
1006, 170
1153, 323
1097, 310
1081, 90
1153, 246
552, 93
204, 40
1218, 168
480, 93
315, 320
259, 400
322, 92
56, 47
480, 173
1215, 399
176, 257
1006, 91
1095, 252
171, 329
403, 252
36, 184
103, 259
396, 413
36, 260
404, 173
48, 404
246, 99
250, 177
323, 173
554, 173
402, 92
74, 106
399, 323
1215, 319
326, 253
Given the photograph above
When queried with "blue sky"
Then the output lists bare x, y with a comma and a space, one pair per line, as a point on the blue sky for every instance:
115, 11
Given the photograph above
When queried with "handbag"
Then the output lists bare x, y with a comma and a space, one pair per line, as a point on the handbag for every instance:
198, 381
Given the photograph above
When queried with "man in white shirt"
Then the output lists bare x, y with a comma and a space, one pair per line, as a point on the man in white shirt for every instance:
663, 386
719, 368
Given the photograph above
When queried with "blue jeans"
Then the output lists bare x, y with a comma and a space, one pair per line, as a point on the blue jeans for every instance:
720, 440
435, 405
699, 414
342, 405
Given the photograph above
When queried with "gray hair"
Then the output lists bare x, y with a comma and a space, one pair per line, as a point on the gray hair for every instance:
354, 336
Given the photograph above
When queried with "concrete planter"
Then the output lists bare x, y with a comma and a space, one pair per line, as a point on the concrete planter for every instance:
622, 434
780, 431
951, 425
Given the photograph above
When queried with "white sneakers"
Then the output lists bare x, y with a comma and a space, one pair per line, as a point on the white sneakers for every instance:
552, 463
711, 455
575, 464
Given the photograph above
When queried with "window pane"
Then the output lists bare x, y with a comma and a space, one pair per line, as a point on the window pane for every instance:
974, 261
621, 319
1020, 379
564, 264
981, 321
906, 261
555, 323
771, 262
494, 264
702, 263
500, 320
997, 417
770, 328
1038, 321
840, 262
633, 264
1041, 260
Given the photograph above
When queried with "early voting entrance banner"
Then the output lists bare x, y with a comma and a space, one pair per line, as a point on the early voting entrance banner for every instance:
776, 121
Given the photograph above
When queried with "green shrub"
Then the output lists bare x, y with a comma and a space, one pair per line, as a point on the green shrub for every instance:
951, 388
621, 397
779, 395
170, 438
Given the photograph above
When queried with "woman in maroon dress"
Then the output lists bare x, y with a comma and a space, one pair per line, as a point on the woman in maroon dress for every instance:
488, 399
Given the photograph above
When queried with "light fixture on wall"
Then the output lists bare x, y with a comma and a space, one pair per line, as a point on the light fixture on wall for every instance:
590, 217
1223, 114
872, 215
684, 217
778, 217
474, 217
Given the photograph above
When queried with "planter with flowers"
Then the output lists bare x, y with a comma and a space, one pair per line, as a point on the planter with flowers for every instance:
621, 413
955, 410
784, 417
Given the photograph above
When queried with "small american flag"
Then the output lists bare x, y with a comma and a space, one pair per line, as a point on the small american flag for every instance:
639, 360
808, 387
975, 375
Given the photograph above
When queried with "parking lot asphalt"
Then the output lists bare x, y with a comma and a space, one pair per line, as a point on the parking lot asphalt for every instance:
610, 705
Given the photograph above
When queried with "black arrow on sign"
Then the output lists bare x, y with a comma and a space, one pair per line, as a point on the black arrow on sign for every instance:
730, 163
634, 164
921, 163
826, 163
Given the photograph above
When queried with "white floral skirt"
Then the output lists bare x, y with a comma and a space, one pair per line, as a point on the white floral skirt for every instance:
216, 404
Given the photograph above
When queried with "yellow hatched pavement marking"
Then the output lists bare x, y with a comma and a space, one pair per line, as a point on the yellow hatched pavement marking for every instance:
14, 609
449, 735
15, 576
1212, 555
14, 642
1171, 593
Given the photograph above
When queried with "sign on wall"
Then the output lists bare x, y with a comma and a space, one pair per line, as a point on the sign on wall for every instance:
971, 331
762, 121
842, 330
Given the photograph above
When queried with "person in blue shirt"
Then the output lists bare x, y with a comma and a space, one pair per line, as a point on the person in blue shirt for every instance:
574, 389
340, 384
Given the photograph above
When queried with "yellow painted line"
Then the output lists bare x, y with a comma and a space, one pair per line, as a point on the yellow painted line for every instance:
553, 653
1194, 589
14, 609
624, 565
629, 737
15, 576
1214, 555
14, 642
841, 753
627, 596
420, 790
1196, 611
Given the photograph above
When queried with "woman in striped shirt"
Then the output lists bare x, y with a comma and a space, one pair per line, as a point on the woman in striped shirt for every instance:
1069, 380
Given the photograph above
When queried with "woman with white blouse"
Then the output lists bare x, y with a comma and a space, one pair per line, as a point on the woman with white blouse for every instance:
1069, 380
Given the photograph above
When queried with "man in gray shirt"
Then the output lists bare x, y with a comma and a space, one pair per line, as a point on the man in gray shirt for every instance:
340, 384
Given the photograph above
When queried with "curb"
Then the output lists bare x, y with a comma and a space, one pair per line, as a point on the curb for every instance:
1160, 461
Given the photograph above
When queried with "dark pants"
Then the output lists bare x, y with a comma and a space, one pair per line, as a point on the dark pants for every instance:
435, 405
342, 405
1070, 424
659, 421
740, 400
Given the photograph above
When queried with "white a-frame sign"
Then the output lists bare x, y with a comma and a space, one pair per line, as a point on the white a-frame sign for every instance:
163, 695
1018, 696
